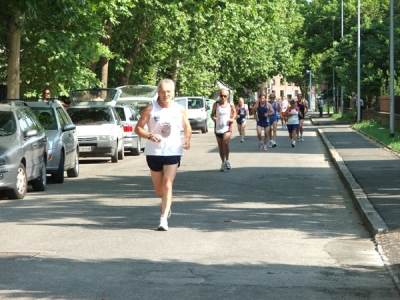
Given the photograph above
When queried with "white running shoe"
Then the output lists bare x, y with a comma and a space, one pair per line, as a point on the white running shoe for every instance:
223, 167
301, 139
242, 140
163, 224
228, 165
260, 145
273, 144
293, 144
270, 144
265, 147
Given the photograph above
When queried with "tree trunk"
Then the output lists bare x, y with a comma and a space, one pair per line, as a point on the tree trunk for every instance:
176, 71
13, 70
125, 76
129, 55
104, 60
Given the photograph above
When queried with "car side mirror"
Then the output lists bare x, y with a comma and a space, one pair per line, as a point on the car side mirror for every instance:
30, 133
68, 127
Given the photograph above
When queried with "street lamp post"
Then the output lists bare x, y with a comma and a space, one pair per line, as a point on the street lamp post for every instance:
310, 87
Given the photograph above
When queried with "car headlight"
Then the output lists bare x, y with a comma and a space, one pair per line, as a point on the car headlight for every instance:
106, 138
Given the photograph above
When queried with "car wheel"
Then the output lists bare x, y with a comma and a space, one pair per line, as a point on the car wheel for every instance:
59, 176
39, 184
204, 129
21, 186
114, 158
136, 151
74, 172
121, 154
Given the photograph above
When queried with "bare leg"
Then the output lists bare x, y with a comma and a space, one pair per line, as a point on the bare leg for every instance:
243, 129
225, 143
266, 134
163, 182
301, 127
221, 149
259, 133
273, 129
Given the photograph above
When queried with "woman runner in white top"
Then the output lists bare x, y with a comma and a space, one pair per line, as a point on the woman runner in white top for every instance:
223, 114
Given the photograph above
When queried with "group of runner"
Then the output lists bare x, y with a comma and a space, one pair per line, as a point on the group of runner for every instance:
267, 114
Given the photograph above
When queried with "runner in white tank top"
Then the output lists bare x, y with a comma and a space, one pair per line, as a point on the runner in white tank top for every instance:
164, 119
223, 114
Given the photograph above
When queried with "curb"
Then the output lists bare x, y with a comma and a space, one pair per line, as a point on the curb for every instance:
369, 215
385, 261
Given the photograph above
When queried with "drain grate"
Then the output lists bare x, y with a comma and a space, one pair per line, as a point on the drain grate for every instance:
18, 255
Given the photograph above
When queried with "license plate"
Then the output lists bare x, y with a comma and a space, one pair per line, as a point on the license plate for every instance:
85, 149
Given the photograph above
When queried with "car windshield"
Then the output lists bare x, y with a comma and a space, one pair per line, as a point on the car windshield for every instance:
95, 95
46, 117
195, 103
90, 115
142, 91
7, 123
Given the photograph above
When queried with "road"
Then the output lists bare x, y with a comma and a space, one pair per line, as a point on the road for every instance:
279, 225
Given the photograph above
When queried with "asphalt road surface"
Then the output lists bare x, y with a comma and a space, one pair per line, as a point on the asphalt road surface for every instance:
279, 225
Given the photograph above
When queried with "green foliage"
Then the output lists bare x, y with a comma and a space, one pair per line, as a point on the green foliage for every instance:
196, 42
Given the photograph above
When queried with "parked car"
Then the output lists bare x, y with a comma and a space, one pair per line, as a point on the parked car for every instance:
197, 108
138, 96
23, 151
98, 125
63, 147
129, 116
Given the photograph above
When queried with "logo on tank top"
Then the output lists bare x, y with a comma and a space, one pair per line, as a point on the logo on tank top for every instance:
165, 130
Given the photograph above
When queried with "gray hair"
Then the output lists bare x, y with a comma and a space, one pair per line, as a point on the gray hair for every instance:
166, 81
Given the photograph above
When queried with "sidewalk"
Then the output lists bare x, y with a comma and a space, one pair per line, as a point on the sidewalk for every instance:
371, 173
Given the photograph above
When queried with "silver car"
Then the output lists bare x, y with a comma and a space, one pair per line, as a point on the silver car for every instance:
23, 151
63, 153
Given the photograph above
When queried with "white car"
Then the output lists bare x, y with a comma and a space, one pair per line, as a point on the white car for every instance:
98, 125
196, 108
138, 96
129, 116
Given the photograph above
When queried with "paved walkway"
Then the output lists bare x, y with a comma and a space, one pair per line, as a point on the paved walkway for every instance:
371, 173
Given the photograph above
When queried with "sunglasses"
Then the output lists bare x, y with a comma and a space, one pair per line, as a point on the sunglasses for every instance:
223, 96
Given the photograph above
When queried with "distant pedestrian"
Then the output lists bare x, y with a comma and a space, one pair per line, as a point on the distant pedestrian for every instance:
292, 113
353, 104
223, 114
303, 109
262, 110
46, 95
284, 106
165, 119
242, 113
320, 106
273, 120
359, 102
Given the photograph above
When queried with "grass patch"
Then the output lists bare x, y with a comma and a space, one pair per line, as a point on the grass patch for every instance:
346, 117
379, 132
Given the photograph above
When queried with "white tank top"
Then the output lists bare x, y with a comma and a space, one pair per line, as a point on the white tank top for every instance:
223, 115
167, 123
